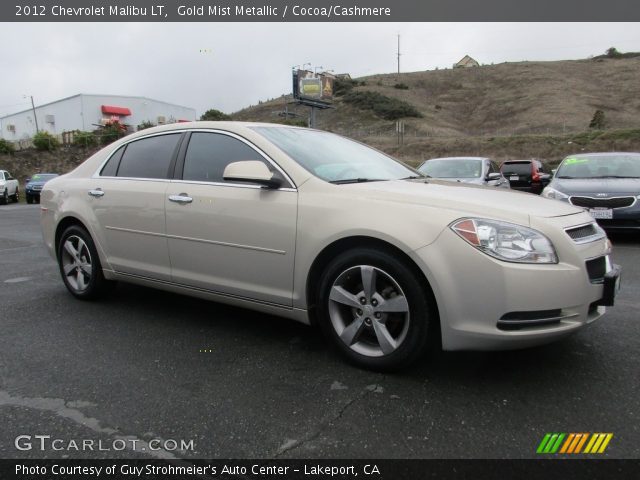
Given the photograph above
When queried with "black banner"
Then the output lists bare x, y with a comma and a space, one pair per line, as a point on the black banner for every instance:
318, 10
542, 469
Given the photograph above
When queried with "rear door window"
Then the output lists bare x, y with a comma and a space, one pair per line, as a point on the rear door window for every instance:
149, 157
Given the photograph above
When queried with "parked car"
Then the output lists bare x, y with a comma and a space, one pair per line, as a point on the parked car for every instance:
475, 170
526, 175
607, 184
34, 186
315, 227
9, 189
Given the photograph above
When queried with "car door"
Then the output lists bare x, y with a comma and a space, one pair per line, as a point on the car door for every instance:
230, 238
128, 201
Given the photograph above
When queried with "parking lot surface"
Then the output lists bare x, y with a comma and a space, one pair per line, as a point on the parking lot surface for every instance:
144, 364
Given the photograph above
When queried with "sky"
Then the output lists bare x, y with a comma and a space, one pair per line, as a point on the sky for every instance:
230, 66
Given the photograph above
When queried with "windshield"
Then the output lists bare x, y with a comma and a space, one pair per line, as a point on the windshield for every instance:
600, 166
334, 158
40, 177
453, 168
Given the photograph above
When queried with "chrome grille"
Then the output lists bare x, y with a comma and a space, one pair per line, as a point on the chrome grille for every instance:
615, 202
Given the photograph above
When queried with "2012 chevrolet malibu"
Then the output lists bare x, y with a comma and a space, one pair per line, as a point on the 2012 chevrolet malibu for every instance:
312, 226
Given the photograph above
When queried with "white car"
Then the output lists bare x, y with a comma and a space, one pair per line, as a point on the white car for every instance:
324, 230
8, 188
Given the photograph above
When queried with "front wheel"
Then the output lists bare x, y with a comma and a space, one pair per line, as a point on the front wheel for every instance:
29, 199
375, 310
80, 265
4, 199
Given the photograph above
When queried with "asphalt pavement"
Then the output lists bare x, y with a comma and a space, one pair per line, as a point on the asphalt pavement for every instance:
146, 366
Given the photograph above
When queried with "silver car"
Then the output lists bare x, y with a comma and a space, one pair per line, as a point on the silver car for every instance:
474, 170
315, 227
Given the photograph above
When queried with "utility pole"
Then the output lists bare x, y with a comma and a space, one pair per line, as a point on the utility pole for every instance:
35, 118
398, 55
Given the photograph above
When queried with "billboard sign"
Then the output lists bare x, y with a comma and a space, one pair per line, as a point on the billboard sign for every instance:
312, 86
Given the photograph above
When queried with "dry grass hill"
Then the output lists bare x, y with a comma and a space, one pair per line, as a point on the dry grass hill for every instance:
531, 103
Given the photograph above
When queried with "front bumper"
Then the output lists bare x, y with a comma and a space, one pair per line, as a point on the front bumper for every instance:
478, 295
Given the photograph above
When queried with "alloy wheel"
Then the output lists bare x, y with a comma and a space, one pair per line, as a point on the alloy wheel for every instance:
369, 311
76, 263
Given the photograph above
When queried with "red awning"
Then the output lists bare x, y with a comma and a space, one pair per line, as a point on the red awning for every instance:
111, 110
182, 120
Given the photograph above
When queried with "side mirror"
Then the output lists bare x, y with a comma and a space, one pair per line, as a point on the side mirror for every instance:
251, 171
493, 176
27, 180
553, 172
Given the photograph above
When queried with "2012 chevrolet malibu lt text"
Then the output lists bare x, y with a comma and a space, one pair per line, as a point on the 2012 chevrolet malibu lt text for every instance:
324, 230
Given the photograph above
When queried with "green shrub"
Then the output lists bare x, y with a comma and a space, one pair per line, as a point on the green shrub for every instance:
598, 121
6, 146
146, 124
383, 106
342, 86
44, 141
84, 139
214, 115
111, 132
401, 86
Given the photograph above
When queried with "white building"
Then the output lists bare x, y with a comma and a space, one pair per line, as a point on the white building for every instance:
87, 112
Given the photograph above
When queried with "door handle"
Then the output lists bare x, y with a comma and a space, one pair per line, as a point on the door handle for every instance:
183, 198
96, 192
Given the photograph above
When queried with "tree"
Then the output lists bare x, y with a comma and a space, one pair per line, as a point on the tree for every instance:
598, 121
613, 53
213, 115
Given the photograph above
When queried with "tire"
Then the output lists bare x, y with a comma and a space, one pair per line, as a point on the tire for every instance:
16, 196
4, 199
379, 325
80, 265
29, 199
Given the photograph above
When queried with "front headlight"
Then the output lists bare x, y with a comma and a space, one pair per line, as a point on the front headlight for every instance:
553, 193
506, 241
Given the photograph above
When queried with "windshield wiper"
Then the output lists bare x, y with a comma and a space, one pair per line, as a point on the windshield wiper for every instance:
565, 176
415, 177
614, 176
357, 180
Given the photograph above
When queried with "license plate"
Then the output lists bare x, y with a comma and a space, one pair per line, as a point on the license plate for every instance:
514, 177
601, 213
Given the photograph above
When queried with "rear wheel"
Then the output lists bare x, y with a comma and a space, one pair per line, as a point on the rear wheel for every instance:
374, 309
80, 265
16, 196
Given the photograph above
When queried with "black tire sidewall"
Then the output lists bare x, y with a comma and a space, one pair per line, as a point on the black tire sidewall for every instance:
97, 281
420, 310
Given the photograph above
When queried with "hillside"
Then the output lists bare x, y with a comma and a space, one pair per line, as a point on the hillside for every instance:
526, 98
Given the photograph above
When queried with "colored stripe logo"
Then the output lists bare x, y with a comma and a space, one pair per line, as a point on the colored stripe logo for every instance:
571, 443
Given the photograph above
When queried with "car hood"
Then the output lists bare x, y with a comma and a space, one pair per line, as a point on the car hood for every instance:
35, 184
611, 187
466, 198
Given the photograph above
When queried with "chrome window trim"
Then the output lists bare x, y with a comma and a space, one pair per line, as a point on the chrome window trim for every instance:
269, 160
96, 174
